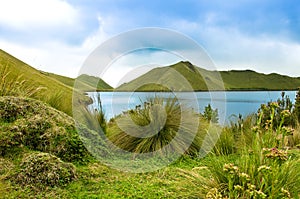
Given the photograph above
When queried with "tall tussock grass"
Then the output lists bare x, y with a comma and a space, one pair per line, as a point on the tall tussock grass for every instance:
14, 85
161, 124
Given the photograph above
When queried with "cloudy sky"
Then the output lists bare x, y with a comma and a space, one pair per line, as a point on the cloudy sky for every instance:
58, 35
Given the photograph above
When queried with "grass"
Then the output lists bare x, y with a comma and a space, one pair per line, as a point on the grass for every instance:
161, 124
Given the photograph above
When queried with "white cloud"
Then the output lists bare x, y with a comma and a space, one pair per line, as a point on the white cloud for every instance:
26, 14
231, 48
54, 55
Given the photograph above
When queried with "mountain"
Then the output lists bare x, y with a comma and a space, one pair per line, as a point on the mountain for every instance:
56, 89
184, 76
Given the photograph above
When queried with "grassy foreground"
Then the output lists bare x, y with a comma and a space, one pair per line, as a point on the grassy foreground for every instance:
43, 157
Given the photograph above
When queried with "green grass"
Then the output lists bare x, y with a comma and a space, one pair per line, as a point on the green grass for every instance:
188, 177
202, 80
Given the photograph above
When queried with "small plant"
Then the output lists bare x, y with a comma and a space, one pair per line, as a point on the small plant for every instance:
210, 114
297, 106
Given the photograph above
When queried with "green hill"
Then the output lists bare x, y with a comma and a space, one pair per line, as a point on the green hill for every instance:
84, 82
202, 80
54, 89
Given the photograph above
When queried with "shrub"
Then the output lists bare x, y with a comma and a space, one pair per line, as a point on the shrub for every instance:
210, 114
43, 169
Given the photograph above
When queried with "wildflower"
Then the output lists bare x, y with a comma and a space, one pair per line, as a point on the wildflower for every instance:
260, 194
213, 194
275, 153
285, 113
274, 105
288, 130
255, 129
251, 186
238, 188
230, 168
264, 167
250, 192
285, 192
244, 176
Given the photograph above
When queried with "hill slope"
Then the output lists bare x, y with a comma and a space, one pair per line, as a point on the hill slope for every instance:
85, 82
56, 90
202, 80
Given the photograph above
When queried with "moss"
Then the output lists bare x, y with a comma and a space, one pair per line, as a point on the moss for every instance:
43, 169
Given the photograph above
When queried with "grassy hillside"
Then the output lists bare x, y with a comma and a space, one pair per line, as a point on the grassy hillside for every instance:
169, 77
84, 82
199, 78
54, 89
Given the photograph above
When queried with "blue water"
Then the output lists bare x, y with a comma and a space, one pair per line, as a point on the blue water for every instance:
229, 104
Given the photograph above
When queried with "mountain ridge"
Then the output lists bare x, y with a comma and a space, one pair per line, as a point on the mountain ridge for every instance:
201, 79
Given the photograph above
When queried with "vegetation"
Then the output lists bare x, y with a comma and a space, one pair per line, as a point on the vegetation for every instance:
210, 114
43, 170
155, 126
36, 126
201, 80
43, 155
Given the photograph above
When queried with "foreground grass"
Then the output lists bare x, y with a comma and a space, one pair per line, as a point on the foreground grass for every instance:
29, 128
99, 181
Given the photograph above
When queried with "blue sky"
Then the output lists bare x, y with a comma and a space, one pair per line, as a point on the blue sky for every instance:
57, 36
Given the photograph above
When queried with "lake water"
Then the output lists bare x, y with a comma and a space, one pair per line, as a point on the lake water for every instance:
229, 104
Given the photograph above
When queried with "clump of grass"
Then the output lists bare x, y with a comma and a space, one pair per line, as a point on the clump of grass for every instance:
43, 170
161, 124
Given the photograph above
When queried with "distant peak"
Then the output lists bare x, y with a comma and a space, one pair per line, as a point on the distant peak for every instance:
189, 65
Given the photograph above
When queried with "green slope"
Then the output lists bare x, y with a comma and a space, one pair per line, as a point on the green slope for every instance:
202, 80
182, 76
84, 82
57, 90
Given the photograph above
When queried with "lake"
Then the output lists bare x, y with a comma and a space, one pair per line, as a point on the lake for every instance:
229, 104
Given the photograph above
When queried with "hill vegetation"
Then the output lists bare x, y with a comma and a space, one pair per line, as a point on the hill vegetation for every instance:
200, 79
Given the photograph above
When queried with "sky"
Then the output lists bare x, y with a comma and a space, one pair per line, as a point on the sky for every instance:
58, 35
